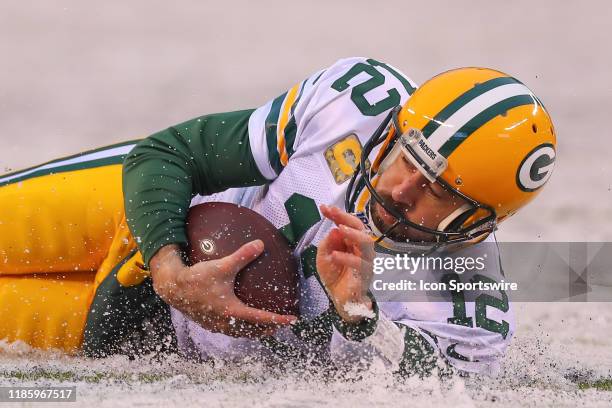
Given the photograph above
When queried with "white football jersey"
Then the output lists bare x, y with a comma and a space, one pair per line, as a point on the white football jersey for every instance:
306, 143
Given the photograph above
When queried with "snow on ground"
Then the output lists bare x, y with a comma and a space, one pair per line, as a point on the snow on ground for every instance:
76, 76
559, 349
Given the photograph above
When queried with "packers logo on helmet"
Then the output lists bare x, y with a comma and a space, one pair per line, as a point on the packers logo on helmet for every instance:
536, 168
480, 133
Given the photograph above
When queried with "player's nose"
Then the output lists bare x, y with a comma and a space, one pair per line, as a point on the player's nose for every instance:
409, 188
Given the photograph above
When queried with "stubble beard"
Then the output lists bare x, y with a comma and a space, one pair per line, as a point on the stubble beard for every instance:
401, 233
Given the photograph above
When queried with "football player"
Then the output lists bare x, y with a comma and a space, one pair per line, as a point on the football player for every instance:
352, 152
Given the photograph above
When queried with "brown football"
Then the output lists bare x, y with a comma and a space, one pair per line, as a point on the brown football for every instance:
270, 282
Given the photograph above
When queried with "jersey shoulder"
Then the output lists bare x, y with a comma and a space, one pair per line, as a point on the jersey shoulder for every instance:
351, 96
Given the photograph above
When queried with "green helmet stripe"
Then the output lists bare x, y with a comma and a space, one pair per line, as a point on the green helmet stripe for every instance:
463, 99
483, 117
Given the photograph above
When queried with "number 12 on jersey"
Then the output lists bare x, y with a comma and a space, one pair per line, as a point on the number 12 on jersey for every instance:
483, 300
376, 79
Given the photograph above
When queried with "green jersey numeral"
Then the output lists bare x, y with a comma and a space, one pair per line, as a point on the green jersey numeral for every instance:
376, 79
483, 300
460, 316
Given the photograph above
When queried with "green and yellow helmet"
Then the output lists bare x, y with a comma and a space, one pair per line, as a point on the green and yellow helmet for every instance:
480, 133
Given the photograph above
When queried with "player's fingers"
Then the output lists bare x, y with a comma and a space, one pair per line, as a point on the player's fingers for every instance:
258, 316
356, 235
349, 260
362, 239
233, 263
334, 241
340, 217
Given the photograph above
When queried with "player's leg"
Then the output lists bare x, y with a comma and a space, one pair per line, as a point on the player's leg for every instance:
125, 315
61, 216
62, 230
45, 311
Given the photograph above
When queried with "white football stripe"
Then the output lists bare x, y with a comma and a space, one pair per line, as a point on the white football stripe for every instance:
473, 108
103, 154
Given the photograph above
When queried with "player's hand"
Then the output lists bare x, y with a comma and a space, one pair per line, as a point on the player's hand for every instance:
205, 292
344, 264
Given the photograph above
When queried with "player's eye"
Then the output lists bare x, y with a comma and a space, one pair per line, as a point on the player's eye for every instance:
433, 190
440, 191
409, 164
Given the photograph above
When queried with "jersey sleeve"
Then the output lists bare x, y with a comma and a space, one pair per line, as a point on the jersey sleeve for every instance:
273, 126
414, 347
400, 346
165, 170
410, 337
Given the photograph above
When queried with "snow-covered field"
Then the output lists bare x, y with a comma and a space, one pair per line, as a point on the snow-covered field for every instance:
558, 351
75, 76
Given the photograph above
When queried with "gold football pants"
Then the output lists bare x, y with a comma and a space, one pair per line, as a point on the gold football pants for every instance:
62, 232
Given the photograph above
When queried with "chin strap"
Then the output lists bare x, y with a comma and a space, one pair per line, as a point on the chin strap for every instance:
455, 219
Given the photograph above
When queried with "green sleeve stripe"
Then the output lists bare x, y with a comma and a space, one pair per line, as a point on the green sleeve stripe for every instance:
318, 76
271, 127
290, 132
291, 128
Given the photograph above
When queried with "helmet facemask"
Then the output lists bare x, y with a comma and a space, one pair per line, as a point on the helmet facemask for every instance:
461, 226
